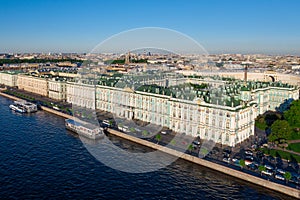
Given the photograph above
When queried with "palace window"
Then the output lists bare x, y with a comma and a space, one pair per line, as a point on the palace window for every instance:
227, 137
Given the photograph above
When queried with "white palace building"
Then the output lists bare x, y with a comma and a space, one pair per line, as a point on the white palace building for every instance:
214, 108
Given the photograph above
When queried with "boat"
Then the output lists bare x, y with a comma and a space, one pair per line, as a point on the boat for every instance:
84, 129
23, 107
27, 106
17, 108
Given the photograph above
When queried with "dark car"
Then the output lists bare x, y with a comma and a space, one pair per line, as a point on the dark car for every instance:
294, 180
228, 151
252, 166
249, 158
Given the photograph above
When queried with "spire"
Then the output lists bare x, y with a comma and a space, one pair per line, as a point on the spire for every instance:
127, 58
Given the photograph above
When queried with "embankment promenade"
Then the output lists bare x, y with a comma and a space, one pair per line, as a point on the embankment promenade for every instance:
223, 169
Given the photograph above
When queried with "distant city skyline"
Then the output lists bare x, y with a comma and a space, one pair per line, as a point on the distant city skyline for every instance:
247, 27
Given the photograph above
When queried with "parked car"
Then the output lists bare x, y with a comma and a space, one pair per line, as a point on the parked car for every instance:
294, 180
252, 166
279, 177
281, 171
248, 162
267, 173
227, 155
226, 160
268, 167
237, 163
228, 151
248, 152
249, 158
106, 122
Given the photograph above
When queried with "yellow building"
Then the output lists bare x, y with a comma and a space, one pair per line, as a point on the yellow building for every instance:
9, 78
57, 89
33, 84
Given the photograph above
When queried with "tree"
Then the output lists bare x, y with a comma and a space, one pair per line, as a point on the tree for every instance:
292, 114
261, 168
280, 129
132, 129
287, 176
173, 142
190, 148
242, 163
145, 133
158, 138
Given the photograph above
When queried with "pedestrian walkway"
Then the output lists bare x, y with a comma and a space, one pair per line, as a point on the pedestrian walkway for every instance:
289, 151
293, 141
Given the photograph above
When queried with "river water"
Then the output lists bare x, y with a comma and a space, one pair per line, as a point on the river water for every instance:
40, 159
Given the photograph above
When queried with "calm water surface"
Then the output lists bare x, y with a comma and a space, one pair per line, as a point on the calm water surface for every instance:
40, 159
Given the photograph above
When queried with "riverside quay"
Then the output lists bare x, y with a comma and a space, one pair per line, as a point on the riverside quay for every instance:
213, 108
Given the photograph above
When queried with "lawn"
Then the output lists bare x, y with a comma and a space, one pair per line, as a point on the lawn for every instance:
294, 147
294, 136
282, 154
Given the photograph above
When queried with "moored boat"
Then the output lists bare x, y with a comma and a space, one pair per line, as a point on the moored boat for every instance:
17, 108
84, 129
27, 106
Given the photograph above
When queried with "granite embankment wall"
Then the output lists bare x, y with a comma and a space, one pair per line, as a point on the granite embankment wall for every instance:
56, 112
238, 174
10, 97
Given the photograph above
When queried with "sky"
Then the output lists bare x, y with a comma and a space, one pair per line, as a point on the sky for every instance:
224, 26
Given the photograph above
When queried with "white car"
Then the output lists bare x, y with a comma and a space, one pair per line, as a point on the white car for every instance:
281, 171
267, 173
268, 167
226, 160
279, 177
163, 132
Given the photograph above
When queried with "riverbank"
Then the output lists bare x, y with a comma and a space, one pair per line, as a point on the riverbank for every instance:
42, 107
234, 173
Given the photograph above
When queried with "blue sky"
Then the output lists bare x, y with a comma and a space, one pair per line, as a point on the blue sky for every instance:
241, 26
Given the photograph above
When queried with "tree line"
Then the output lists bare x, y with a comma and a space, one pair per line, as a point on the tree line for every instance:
288, 125
38, 60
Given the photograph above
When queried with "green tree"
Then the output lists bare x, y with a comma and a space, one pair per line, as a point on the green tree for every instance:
261, 168
292, 115
132, 129
287, 176
280, 129
242, 163
190, 148
144, 132
173, 142
158, 138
